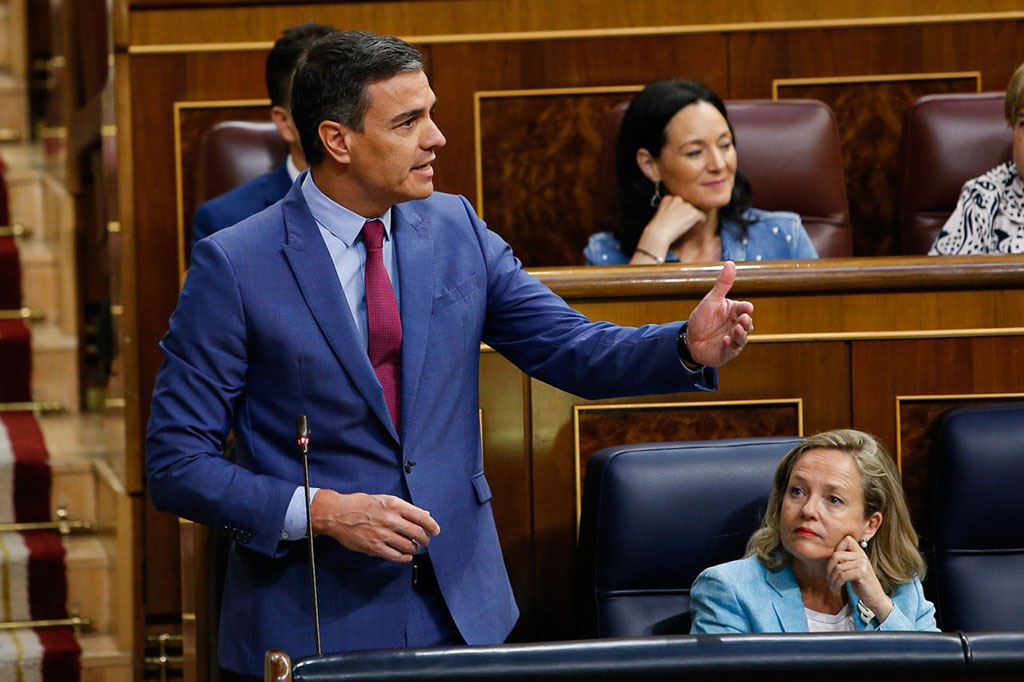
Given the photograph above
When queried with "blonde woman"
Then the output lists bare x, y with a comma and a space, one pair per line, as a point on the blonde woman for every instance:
836, 550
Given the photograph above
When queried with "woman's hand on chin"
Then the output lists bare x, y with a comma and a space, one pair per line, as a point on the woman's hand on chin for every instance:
674, 218
850, 564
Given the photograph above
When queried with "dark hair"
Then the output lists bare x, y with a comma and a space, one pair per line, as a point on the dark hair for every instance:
285, 55
331, 79
643, 127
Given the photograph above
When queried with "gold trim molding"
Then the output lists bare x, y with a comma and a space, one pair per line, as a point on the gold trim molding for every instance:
876, 78
577, 409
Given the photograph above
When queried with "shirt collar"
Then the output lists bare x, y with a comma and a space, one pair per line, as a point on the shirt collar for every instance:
335, 218
293, 170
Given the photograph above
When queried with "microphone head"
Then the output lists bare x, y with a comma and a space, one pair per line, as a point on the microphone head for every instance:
302, 428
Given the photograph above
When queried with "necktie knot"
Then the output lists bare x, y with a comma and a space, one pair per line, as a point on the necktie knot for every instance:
373, 234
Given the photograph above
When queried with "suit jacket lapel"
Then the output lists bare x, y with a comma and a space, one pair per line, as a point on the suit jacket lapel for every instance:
414, 253
787, 602
318, 280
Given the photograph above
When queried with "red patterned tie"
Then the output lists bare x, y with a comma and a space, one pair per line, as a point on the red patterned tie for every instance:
383, 321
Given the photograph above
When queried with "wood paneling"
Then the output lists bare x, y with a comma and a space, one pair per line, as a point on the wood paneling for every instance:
212, 21
870, 117
540, 186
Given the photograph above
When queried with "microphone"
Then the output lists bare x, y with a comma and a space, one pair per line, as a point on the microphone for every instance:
302, 431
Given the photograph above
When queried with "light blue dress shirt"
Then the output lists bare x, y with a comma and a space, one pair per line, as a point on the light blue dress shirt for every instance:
340, 229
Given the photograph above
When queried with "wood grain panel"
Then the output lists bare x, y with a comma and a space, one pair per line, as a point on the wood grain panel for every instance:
539, 186
603, 426
195, 21
917, 420
459, 71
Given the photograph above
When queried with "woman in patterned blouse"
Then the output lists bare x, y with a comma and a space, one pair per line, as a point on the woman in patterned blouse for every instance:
989, 218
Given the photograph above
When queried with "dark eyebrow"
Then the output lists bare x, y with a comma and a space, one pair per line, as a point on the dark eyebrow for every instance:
725, 133
411, 113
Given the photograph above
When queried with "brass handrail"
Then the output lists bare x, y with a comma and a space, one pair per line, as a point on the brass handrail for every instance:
10, 135
62, 524
163, 661
15, 230
27, 314
74, 621
36, 406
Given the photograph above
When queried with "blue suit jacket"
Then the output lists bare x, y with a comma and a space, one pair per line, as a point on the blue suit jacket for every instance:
262, 333
744, 596
237, 204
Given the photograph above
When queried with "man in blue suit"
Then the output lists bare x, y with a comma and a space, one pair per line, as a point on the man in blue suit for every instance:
253, 196
282, 315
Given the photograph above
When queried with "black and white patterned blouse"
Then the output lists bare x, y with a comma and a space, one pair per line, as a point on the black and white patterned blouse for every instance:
989, 218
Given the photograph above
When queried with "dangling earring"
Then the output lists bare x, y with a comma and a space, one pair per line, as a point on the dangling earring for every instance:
864, 543
656, 197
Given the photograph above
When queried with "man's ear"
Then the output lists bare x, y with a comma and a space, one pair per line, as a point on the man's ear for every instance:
336, 140
648, 165
282, 119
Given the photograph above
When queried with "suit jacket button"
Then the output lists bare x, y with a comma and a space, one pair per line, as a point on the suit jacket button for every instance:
409, 464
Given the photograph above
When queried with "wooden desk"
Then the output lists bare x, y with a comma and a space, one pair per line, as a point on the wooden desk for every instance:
884, 345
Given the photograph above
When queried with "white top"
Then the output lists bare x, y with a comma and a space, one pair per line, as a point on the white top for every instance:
826, 622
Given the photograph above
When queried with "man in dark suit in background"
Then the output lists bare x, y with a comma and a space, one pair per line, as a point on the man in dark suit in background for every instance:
255, 195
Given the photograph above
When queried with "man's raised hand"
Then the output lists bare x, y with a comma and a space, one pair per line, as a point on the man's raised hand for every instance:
718, 327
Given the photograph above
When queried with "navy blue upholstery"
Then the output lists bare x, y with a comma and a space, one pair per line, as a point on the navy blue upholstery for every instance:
978, 568
784, 657
654, 516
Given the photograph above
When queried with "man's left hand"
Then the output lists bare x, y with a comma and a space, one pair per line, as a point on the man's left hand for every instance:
718, 327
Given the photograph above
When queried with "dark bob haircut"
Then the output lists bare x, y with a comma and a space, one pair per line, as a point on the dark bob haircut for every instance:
331, 81
643, 127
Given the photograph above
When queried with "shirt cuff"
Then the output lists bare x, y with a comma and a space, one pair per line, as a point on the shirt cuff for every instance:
295, 516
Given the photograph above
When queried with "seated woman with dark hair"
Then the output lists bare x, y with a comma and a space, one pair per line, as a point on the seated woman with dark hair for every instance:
680, 195
989, 217
836, 550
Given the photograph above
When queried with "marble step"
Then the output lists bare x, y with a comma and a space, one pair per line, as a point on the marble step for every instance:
55, 366
13, 108
102, 661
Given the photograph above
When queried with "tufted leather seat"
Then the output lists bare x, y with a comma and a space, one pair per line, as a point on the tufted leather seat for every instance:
807, 178
979, 537
233, 152
947, 140
654, 516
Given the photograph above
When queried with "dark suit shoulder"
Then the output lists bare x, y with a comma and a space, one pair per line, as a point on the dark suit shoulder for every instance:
239, 203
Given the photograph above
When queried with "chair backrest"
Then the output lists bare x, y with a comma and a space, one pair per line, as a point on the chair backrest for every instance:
979, 504
947, 140
806, 178
233, 152
654, 516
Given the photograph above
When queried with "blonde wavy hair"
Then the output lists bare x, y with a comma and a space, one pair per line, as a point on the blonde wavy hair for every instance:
893, 550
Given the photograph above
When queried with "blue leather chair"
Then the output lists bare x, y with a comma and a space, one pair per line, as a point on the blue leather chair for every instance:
979, 519
654, 516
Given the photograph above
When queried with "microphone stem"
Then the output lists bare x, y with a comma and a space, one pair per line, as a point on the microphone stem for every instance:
309, 537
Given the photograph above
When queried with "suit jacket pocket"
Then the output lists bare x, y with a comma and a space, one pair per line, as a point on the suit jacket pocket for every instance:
483, 491
454, 294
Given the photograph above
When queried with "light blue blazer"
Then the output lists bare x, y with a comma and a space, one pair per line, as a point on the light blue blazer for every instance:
263, 333
744, 596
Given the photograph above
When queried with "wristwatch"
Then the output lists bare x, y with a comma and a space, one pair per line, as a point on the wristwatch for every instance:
684, 350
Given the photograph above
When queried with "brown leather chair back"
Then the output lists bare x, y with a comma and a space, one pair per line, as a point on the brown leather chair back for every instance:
233, 152
947, 140
791, 153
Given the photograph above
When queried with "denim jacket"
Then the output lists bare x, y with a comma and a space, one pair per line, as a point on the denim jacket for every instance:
772, 235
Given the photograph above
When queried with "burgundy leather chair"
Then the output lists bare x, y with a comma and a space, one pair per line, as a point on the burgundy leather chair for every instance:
947, 140
807, 178
233, 152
